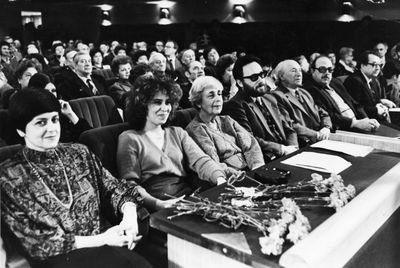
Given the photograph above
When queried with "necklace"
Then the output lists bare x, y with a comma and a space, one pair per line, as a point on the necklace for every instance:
37, 175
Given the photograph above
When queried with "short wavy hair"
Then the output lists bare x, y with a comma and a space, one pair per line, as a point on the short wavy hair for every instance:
120, 60
144, 91
198, 87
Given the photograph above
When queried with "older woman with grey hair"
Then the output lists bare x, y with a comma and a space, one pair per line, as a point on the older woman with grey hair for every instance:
220, 137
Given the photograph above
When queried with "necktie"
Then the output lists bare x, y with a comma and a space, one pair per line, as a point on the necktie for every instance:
91, 87
270, 121
171, 65
298, 96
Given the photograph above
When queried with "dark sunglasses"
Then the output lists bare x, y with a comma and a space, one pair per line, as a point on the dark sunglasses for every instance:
323, 70
254, 77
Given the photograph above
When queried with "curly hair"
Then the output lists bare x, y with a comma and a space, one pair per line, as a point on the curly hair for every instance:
144, 91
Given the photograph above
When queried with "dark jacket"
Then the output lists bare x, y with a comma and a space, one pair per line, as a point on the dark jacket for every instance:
324, 100
358, 88
242, 109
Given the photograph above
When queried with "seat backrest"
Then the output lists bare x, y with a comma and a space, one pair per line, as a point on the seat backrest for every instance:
98, 111
103, 142
183, 117
3, 122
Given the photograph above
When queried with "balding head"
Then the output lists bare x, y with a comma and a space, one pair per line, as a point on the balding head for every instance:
289, 73
158, 62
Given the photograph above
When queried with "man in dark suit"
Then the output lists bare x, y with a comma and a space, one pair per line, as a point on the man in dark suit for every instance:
257, 111
81, 83
364, 87
333, 97
170, 51
311, 122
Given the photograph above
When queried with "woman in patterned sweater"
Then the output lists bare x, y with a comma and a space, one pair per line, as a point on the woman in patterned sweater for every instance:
51, 195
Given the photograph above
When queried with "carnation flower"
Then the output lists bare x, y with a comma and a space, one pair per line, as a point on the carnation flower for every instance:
271, 245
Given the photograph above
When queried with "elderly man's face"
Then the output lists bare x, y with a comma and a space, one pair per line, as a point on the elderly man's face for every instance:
253, 80
381, 49
83, 65
291, 75
322, 72
196, 69
188, 57
159, 63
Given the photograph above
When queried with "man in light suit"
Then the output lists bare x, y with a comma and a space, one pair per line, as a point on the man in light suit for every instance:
333, 97
81, 83
364, 87
257, 110
311, 122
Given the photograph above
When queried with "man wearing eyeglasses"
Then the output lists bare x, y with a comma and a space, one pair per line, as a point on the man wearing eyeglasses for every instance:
364, 87
257, 111
333, 97
311, 122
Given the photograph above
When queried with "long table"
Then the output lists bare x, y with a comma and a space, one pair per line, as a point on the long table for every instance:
193, 242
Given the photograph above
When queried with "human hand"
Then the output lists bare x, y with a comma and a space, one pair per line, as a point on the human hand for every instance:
324, 133
3, 79
68, 112
366, 124
130, 225
62, 61
161, 204
388, 103
115, 236
221, 180
289, 149
382, 109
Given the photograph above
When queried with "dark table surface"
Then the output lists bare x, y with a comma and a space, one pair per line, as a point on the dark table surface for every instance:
361, 174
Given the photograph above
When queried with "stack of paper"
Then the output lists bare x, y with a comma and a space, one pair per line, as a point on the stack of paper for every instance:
319, 162
344, 147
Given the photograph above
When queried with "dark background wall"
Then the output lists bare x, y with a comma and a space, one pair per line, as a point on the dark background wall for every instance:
285, 27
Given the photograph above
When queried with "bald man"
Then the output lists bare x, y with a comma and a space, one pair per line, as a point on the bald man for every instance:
311, 122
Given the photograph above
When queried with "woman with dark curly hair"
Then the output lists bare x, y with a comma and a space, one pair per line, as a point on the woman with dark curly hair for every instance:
224, 74
157, 157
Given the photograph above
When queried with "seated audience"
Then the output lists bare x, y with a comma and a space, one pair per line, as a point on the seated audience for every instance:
311, 122
211, 56
195, 70
333, 97
52, 193
159, 157
223, 71
220, 137
255, 109
97, 59
364, 87
82, 83
121, 67
345, 65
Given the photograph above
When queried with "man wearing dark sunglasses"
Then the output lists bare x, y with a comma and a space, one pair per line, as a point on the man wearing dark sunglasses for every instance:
257, 111
311, 122
333, 97
364, 87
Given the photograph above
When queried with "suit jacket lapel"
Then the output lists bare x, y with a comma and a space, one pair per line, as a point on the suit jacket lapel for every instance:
275, 116
311, 108
83, 87
260, 116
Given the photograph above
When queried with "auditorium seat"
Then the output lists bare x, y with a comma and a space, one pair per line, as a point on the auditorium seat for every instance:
103, 142
183, 117
98, 111
108, 75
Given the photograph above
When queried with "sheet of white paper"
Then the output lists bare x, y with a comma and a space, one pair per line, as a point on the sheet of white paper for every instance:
394, 110
344, 147
319, 162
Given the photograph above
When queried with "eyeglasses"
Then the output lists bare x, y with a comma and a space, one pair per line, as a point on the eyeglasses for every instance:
323, 69
375, 65
254, 77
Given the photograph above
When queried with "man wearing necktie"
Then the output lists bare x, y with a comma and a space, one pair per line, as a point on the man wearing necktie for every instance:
364, 87
82, 83
311, 122
333, 97
255, 109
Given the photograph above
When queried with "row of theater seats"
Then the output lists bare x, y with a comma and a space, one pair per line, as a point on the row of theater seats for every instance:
102, 140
